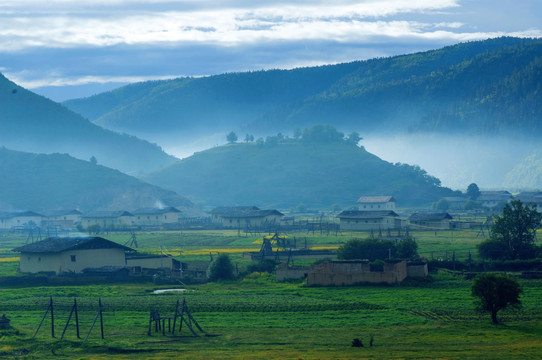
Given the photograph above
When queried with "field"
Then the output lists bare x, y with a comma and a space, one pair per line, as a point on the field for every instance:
258, 318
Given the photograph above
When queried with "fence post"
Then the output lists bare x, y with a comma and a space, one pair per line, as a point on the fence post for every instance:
52, 317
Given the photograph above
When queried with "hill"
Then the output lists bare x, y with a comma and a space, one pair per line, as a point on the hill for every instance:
32, 123
318, 169
58, 181
485, 86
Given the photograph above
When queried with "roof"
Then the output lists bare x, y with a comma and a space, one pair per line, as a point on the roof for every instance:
376, 199
244, 211
358, 214
155, 211
63, 212
11, 215
58, 244
107, 214
429, 217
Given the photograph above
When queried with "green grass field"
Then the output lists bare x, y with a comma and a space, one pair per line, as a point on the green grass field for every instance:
258, 318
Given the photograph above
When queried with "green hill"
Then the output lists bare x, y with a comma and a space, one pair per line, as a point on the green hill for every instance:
485, 86
29, 122
58, 181
318, 170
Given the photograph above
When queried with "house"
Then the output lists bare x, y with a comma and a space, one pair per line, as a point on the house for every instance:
430, 221
340, 273
492, 199
20, 219
156, 216
375, 203
154, 263
456, 202
245, 217
358, 220
63, 218
108, 219
70, 255
530, 198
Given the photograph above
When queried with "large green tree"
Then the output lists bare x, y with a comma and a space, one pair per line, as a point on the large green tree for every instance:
513, 233
495, 292
221, 269
370, 249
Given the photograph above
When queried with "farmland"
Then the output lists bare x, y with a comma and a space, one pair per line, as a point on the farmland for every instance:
257, 318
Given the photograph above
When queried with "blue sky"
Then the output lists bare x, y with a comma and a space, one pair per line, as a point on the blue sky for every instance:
68, 49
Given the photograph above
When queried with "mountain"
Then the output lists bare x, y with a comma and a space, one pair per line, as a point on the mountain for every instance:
41, 182
490, 86
318, 169
29, 122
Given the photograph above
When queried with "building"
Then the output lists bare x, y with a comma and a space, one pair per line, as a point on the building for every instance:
530, 198
17, 219
376, 203
108, 219
456, 202
493, 199
341, 273
154, 263
430, 221
70, 255
360, 220
156, 216
245, 217
63, 218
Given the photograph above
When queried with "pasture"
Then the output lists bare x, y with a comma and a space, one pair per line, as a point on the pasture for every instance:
258, 318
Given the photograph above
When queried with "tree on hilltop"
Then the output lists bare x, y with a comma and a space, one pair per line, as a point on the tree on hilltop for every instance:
231, 137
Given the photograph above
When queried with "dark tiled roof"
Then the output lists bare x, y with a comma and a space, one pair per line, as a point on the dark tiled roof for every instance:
63, 212
429, 217
376, 199
357, 214
244, 212
155, 211
12, 215
58, 244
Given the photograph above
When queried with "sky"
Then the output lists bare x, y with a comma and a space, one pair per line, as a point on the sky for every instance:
66, 49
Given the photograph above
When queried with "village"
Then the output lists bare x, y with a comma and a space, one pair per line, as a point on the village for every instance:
55, 245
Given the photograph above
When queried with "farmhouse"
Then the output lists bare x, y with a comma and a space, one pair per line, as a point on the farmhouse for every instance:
530, 198
154, 263
63, 218
242, 217
20, 219
108, 219
340, 273
491, 199
375, 203
369, 220
156, 216
430, 221
70, 255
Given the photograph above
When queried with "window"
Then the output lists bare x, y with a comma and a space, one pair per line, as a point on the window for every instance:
72, 258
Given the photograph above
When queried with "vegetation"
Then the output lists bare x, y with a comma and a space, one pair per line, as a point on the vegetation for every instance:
221, 269
43, 182
284, 172
495, 293
35, 124
513, 233
374, 249
473, 191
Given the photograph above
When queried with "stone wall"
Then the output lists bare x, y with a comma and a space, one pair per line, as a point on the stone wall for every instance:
340, 273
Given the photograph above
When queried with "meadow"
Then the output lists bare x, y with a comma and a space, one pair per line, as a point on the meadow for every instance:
258, 318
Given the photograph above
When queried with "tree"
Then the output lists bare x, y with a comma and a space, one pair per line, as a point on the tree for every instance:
406, 248
473, 192
231, 137
93, 160
249, 138
495, 292
370, 249
354, 138
221, 269
514, 232
442, 204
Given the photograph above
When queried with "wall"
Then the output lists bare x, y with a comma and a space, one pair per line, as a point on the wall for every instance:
285, 272
352, 272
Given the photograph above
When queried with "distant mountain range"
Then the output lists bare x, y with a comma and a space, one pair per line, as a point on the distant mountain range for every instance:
318, 169
29, 122
59, 181
483, 87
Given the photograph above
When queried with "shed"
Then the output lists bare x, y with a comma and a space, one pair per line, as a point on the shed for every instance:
430, 221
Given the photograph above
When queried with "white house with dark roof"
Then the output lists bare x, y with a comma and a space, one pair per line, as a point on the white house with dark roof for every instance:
63, 218
156, 216
376, 203
358, 220
70, 255
242, 217
492, 199
20, 219
108, 219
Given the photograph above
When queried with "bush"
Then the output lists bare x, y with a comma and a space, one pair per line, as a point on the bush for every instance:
221, 269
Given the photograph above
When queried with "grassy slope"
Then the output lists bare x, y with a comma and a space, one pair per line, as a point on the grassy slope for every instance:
290, 173
45, 182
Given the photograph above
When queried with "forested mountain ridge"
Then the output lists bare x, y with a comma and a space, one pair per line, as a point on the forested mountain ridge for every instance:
319, 169
41, 182
29, 122
481, 86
